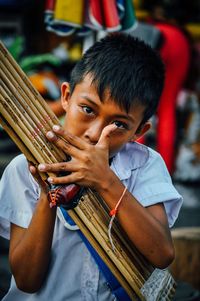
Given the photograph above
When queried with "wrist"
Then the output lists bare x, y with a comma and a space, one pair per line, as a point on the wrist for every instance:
43, 202
111, 189
107, 182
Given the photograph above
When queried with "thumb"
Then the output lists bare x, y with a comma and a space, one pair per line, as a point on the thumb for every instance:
105, 135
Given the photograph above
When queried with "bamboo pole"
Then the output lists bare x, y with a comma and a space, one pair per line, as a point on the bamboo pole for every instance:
22, 147
22, 123
16, 140
31, 107
35, 133
17, 72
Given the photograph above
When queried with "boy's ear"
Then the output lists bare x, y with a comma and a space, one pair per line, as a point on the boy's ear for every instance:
142, 129
65, 95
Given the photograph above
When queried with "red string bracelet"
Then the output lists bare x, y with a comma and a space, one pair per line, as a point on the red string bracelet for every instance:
113, 213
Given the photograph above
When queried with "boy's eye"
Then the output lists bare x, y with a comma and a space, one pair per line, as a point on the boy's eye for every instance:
121, 125
87, 110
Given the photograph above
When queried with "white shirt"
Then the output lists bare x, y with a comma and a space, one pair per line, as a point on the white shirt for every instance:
73, 274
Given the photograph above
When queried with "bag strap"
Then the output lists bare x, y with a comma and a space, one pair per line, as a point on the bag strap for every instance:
112, 282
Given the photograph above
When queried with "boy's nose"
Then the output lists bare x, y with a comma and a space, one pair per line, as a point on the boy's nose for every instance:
93, 133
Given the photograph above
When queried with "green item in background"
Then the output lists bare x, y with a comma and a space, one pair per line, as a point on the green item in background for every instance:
30, 62
33, 61
17, 47
129, 21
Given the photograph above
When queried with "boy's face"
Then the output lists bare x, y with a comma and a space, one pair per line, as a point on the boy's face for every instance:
87, 115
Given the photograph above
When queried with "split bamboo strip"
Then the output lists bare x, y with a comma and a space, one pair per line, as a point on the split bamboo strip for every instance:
20, 121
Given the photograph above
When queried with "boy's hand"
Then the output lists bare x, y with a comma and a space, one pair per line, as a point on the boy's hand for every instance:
89, 164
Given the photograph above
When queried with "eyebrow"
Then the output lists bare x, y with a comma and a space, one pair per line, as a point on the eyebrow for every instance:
128, 117
90, 100
124, 116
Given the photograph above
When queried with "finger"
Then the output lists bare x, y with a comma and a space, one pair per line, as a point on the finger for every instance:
69, 179
57, 168
63, 144
104, 139
32, 168
69, 149
71, 139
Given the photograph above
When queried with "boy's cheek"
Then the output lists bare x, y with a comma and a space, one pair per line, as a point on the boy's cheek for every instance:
73, 126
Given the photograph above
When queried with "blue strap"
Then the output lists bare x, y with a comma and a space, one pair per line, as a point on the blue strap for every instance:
113, 283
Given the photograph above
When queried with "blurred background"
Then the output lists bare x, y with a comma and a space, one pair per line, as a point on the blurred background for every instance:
47, 38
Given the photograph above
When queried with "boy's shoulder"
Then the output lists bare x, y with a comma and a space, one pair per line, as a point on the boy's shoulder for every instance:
137, 155
18, 167
18, 163
134, 156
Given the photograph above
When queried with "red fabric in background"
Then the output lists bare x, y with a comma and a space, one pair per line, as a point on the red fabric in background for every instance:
175, 53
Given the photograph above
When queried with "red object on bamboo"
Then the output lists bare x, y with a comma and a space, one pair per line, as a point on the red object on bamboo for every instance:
65, 195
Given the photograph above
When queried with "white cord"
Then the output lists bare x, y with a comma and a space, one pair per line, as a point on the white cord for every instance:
113, 213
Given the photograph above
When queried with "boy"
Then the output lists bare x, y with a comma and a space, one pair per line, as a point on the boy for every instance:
114, 90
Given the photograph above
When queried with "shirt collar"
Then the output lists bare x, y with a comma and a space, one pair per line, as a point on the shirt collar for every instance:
132, 156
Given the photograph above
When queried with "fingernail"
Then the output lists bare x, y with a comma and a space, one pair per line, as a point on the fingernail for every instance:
115, 127
41, 167
50, 180
56, 128
50, 134
32, 169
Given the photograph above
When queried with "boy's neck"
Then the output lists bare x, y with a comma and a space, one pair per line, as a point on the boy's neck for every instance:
110, 160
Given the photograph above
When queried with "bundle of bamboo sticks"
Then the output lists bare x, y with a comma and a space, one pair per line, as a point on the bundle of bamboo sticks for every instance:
26, 118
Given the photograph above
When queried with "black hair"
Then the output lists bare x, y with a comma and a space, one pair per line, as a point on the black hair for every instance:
130, 70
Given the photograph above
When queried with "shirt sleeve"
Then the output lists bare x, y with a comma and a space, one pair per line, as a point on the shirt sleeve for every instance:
154, 185
18, 195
